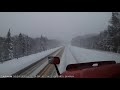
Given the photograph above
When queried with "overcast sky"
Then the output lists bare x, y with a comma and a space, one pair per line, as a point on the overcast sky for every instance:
54, 25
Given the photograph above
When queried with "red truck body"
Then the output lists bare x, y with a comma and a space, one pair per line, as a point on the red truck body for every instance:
104, 71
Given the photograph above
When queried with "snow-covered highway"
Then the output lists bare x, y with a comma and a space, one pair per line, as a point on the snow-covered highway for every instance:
74, 54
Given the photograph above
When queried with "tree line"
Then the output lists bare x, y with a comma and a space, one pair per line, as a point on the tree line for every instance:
107, 40
22, 45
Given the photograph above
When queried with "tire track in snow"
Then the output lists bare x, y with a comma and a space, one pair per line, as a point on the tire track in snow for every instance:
63, 63
73, 55
69, 58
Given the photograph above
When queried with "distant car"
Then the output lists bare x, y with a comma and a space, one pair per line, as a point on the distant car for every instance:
99, 69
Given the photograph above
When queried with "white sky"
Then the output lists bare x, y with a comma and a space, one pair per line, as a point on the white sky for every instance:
54, 25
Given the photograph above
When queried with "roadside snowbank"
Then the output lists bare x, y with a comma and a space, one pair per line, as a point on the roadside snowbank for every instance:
9, 67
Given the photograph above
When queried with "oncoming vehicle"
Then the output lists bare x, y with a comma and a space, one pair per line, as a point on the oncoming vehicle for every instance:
98, 69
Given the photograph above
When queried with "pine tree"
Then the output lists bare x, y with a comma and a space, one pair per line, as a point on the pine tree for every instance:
114, 28
108, 40
27, 45
1, 48
42, 43
16, 45
8, 52
21, 46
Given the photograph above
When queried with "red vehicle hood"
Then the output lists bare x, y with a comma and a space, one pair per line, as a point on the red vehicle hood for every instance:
105, 71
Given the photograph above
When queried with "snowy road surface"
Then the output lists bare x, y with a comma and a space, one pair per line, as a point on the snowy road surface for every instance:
10, 67
74, 54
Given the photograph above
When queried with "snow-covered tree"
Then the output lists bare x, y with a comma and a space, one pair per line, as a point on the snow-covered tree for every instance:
16, 46
43, 43
21, 46
114, 29
108, 40
1, 48
8, 47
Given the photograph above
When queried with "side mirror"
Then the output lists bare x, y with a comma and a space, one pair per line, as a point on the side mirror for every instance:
54, 60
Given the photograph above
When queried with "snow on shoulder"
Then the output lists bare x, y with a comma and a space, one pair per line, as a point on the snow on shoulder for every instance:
10, 67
